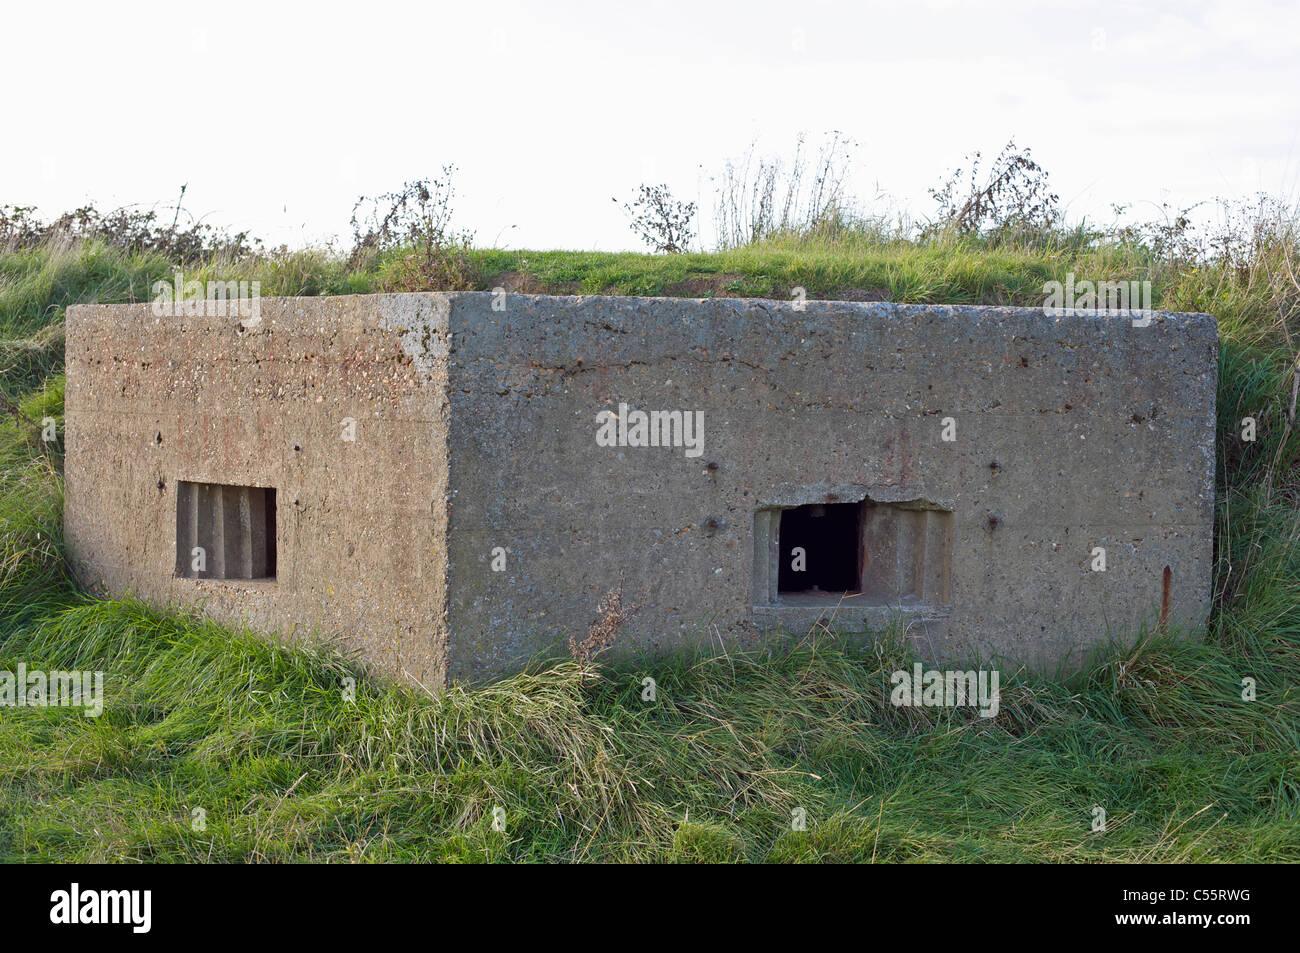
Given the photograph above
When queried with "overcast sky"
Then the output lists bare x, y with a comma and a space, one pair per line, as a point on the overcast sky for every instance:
279, 116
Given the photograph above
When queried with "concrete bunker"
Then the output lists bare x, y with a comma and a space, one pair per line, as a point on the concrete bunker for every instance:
421, 479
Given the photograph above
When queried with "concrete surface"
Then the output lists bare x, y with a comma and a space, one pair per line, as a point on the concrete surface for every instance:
481, 435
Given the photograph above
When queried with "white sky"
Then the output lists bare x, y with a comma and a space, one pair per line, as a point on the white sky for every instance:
279, 116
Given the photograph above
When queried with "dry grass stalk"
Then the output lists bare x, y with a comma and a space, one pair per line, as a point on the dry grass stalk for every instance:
610, 616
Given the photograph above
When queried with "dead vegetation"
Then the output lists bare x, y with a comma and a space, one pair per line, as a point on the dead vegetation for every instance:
611, 614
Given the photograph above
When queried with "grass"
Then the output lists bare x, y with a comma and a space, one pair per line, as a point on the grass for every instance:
217, 746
